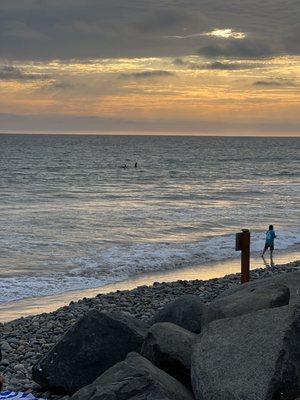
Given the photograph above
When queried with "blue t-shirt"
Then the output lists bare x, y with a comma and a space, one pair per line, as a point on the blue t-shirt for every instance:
270, 236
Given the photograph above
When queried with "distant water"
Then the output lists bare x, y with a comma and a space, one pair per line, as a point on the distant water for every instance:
72, 218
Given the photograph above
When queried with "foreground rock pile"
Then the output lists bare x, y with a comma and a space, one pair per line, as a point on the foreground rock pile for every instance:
95, 343
183, 340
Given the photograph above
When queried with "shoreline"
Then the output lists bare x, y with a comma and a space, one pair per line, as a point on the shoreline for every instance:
37, 305
26, 340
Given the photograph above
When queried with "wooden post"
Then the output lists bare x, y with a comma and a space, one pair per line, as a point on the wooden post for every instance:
243, 243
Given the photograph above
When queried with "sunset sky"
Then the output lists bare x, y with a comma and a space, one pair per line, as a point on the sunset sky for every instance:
182, 66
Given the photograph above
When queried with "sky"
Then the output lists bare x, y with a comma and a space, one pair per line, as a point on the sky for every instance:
209, 67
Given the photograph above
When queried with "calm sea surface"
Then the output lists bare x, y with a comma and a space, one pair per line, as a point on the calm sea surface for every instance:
72, 218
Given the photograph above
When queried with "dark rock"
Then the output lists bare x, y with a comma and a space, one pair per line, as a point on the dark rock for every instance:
250, 297
254, 356
134, 379
94, 344
169, 347
187, 311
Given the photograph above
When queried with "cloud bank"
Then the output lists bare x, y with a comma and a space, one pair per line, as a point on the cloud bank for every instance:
53, 29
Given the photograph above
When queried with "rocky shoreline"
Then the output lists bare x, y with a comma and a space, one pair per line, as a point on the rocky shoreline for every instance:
26, 340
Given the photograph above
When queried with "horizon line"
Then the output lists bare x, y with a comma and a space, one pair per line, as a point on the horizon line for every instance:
148, 133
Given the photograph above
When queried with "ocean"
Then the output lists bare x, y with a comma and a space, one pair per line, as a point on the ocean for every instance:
72, 218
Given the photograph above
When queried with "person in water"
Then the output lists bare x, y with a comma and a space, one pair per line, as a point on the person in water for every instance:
135, 165
270, 236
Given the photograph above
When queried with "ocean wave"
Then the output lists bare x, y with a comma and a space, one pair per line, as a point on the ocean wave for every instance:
120, 262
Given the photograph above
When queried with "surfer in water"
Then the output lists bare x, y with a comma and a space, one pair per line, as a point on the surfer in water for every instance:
135, 165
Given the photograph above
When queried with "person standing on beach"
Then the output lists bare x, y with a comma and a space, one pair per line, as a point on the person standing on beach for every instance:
270, 236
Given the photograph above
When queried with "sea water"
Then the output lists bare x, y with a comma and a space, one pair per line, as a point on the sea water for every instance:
72, 218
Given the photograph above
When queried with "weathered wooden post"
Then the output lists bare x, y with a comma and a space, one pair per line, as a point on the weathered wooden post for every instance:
242, 243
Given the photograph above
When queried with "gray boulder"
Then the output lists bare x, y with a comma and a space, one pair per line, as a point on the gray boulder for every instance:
134, 379
169, 347
187, 311
253, 357
292, 281
94, 344
250, 297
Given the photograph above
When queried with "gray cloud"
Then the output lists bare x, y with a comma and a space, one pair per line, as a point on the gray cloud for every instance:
274, 82
240, 49
53, 29
56, 87
216, 65
227, 66
61, 85
10, 73
147, 74
163, 21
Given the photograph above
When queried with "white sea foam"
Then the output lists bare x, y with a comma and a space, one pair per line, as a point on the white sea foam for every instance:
119, 263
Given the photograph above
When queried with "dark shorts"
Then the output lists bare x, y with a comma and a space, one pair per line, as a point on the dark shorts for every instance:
267, 245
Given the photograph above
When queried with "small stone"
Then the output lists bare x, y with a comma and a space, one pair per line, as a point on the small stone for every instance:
5, 347
19, 367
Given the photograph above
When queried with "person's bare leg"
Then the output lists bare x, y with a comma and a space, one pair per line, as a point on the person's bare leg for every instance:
264, 260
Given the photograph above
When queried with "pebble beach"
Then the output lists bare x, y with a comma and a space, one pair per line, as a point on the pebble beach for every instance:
24, 341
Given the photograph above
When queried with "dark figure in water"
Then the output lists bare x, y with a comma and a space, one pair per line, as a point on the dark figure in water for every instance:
135, 165
270, 236
124, 166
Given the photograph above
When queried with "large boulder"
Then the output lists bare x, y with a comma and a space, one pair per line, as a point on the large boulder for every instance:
169, 347
187, 311
94, 344
250, 297
253, 357
134, 379
292, 281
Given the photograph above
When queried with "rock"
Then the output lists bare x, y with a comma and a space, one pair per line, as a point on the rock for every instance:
187, 311
94, 344
250, 297
169, 347
292, 281
254, 356
19, 368
5, 347
134, 379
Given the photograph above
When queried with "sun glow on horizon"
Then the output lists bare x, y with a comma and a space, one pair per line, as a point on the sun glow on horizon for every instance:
191, 90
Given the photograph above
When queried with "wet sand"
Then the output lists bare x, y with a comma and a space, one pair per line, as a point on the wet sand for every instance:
32, 306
